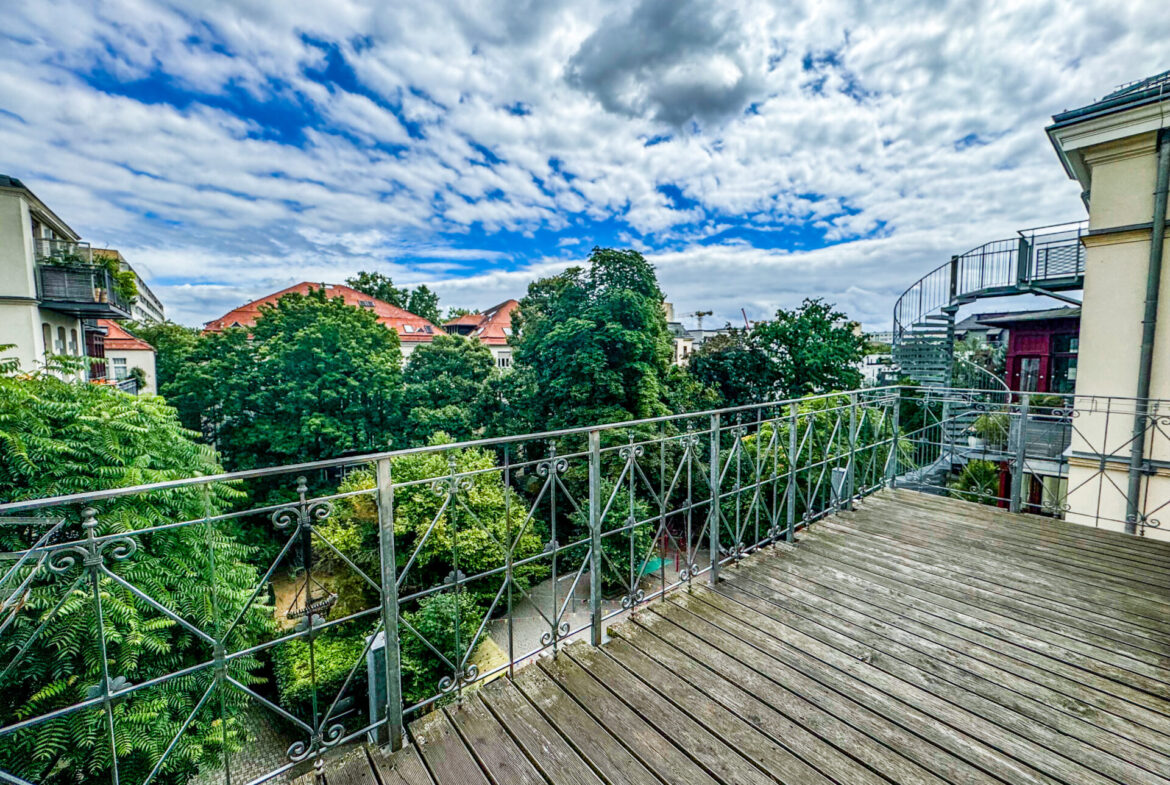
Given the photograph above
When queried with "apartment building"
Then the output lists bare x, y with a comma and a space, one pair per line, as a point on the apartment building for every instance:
1118, 150
51, 289
491, 327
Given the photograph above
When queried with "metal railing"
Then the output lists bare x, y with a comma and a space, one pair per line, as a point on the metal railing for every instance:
81, 285
329, 602
1044, 256
55, 249
441, 567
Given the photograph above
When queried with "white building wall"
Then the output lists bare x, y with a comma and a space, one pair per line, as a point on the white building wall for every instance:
133, 359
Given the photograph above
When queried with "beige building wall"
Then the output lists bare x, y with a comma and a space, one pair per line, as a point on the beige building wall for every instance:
1121, 181
133, 359
23, 323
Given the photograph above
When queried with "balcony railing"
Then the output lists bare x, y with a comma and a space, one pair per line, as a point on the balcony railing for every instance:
396, 581
54, 249
81, 290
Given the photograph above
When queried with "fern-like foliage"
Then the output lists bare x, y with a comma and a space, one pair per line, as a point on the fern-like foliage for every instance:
62, 437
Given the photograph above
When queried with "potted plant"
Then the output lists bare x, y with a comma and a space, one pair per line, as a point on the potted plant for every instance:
990, 430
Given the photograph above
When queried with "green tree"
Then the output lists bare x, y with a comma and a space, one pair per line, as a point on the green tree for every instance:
735, 367
421, 301
594, 342
425, 303
454, 312
316, 379
807, 350
173, 346
61, 437
813, 348
380, 287
442, 383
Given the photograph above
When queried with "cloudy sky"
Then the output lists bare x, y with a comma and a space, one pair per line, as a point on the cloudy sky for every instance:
756, 152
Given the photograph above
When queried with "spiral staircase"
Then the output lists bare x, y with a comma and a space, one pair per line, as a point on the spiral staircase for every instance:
1045, 261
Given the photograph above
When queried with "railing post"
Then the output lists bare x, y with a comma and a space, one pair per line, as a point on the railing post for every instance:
793, 417
851, 469
713, 513
892, 463
389, 584
954, 283
595, 559
1023, 262
1021, 451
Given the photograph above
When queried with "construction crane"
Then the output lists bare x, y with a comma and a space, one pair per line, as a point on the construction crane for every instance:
699, 316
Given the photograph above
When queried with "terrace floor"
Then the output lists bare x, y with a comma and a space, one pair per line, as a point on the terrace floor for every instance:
915, 640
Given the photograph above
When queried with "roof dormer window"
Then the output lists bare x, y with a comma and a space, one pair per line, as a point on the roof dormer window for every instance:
408, 328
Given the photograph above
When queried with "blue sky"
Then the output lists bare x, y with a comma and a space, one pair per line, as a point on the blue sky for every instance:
756, 152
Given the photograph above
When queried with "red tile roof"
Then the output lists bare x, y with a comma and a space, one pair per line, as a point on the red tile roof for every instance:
410, 327
493, 326
119, 339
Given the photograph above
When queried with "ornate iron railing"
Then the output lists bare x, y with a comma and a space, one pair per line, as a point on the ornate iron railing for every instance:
382, 585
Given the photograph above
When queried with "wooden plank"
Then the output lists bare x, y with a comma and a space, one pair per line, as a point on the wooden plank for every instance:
1069, 528
353, 769
637, 647
999, 583
1097, 562
925, 608
491, 745
1064, 734
404, 767
588, 738
444, 752
978, 604
988, 738
543, 745
1103, 606
652, 748
923, 738
712, 736
1084, 700
1090, 565
838, 717
1129, 542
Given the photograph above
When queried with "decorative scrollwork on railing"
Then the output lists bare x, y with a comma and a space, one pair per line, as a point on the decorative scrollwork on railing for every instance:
556, 634
633, 598
302, 512
554, 465
689, 571
466, 676
631, 451
93, 552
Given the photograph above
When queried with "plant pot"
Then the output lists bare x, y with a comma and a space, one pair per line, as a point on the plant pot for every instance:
976, 442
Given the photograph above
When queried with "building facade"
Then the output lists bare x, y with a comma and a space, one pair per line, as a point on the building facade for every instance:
1042, 349
51, 290
1118, 150
124, 352
492, 327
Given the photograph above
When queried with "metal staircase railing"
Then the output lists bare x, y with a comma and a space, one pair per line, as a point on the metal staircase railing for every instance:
1037, 261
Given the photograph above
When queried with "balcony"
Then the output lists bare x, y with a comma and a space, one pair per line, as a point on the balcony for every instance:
749, 595
80, 290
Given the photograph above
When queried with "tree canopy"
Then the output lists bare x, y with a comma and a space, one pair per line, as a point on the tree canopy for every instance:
802, 351
593, 344
442, 386
317, 378
61, 437
421, 301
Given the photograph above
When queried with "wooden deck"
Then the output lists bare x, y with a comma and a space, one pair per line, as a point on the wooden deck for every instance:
915, 640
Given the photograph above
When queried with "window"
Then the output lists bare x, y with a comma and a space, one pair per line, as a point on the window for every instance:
119, 364
1064, 363
408, 328
73, 343
366, 303
1029, 374
507, 331
47, 338
60, 349
503, 361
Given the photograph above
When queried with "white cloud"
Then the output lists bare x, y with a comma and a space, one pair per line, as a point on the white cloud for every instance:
923, 119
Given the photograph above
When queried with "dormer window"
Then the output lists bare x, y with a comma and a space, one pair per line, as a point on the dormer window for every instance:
408, 328
366, 303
